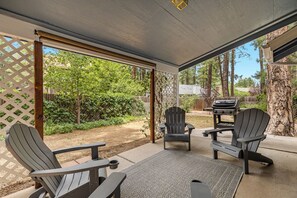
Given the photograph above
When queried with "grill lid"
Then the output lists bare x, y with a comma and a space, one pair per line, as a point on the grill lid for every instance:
224, 103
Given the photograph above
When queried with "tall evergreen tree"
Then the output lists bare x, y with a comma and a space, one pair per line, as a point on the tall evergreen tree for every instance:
225, 75
279, 95
232, 75
261, 75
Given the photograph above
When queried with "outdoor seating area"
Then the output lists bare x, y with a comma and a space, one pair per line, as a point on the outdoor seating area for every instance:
273, 181
81, 180
247, 133
120, 89
175, 128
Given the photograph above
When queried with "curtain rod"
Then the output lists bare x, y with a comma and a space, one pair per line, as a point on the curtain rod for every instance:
104, 52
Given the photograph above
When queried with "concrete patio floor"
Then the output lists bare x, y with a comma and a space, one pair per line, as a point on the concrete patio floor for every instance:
277, 180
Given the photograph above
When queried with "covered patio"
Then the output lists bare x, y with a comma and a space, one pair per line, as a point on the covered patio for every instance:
158, 36
274, 181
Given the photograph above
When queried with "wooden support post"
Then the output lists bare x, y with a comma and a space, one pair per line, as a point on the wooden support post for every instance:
152, 107
38, 86
38, 91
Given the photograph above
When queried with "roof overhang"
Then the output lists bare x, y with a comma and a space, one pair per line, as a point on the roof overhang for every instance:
156, 30
281, 46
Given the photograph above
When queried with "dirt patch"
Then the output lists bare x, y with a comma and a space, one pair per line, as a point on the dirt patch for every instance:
204, 119
200, 121
16, 186
114, 136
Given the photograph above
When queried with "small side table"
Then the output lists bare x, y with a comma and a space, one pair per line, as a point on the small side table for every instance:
199, 190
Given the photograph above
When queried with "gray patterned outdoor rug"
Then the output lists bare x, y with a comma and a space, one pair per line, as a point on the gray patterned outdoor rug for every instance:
169, 174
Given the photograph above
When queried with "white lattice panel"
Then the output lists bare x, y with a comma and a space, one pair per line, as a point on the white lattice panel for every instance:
16, 82
165, 95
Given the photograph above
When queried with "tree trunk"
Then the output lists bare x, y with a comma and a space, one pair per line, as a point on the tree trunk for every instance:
262, 79
279, 96
209, 83
232, 71
142, 74
187, 77
225, 85
134, 72
78, 109
220, 70
194, 75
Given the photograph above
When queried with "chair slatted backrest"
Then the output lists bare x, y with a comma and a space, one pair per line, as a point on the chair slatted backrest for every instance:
175, 120
250, 123
27, 147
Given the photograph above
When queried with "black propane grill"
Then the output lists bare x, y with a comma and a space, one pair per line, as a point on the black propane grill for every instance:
224, 107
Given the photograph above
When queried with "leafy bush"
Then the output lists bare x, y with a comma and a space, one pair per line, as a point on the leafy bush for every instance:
62, 109
61, 128
116, 105
187, 102
294, 99
241, 93
58, 112
261, 103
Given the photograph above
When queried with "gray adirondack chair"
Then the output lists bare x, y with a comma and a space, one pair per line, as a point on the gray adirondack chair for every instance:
175, 127
248, 132
80, 180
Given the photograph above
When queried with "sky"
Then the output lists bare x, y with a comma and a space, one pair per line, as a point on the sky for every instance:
247, 66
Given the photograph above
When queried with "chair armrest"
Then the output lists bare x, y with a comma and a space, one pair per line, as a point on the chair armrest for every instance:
93, 147
190, 127
79, 147
162, 127
214, 131
251, 139
110, 186
93, 164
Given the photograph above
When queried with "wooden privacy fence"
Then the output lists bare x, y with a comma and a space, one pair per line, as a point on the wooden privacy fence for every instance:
200, 104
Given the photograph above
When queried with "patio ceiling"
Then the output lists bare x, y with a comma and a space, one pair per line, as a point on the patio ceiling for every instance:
156, 30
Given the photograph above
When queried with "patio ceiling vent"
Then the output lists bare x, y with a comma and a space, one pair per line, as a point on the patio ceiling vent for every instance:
180, 4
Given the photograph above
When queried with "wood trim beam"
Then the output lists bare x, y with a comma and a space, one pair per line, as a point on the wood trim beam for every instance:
152, 106
104, 52
38, 87
38, 91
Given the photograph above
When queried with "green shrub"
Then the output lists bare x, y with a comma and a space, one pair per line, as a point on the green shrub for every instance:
238, 93
58, 113
62, 109
261, 103
187, 102
61, 128
51, 128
